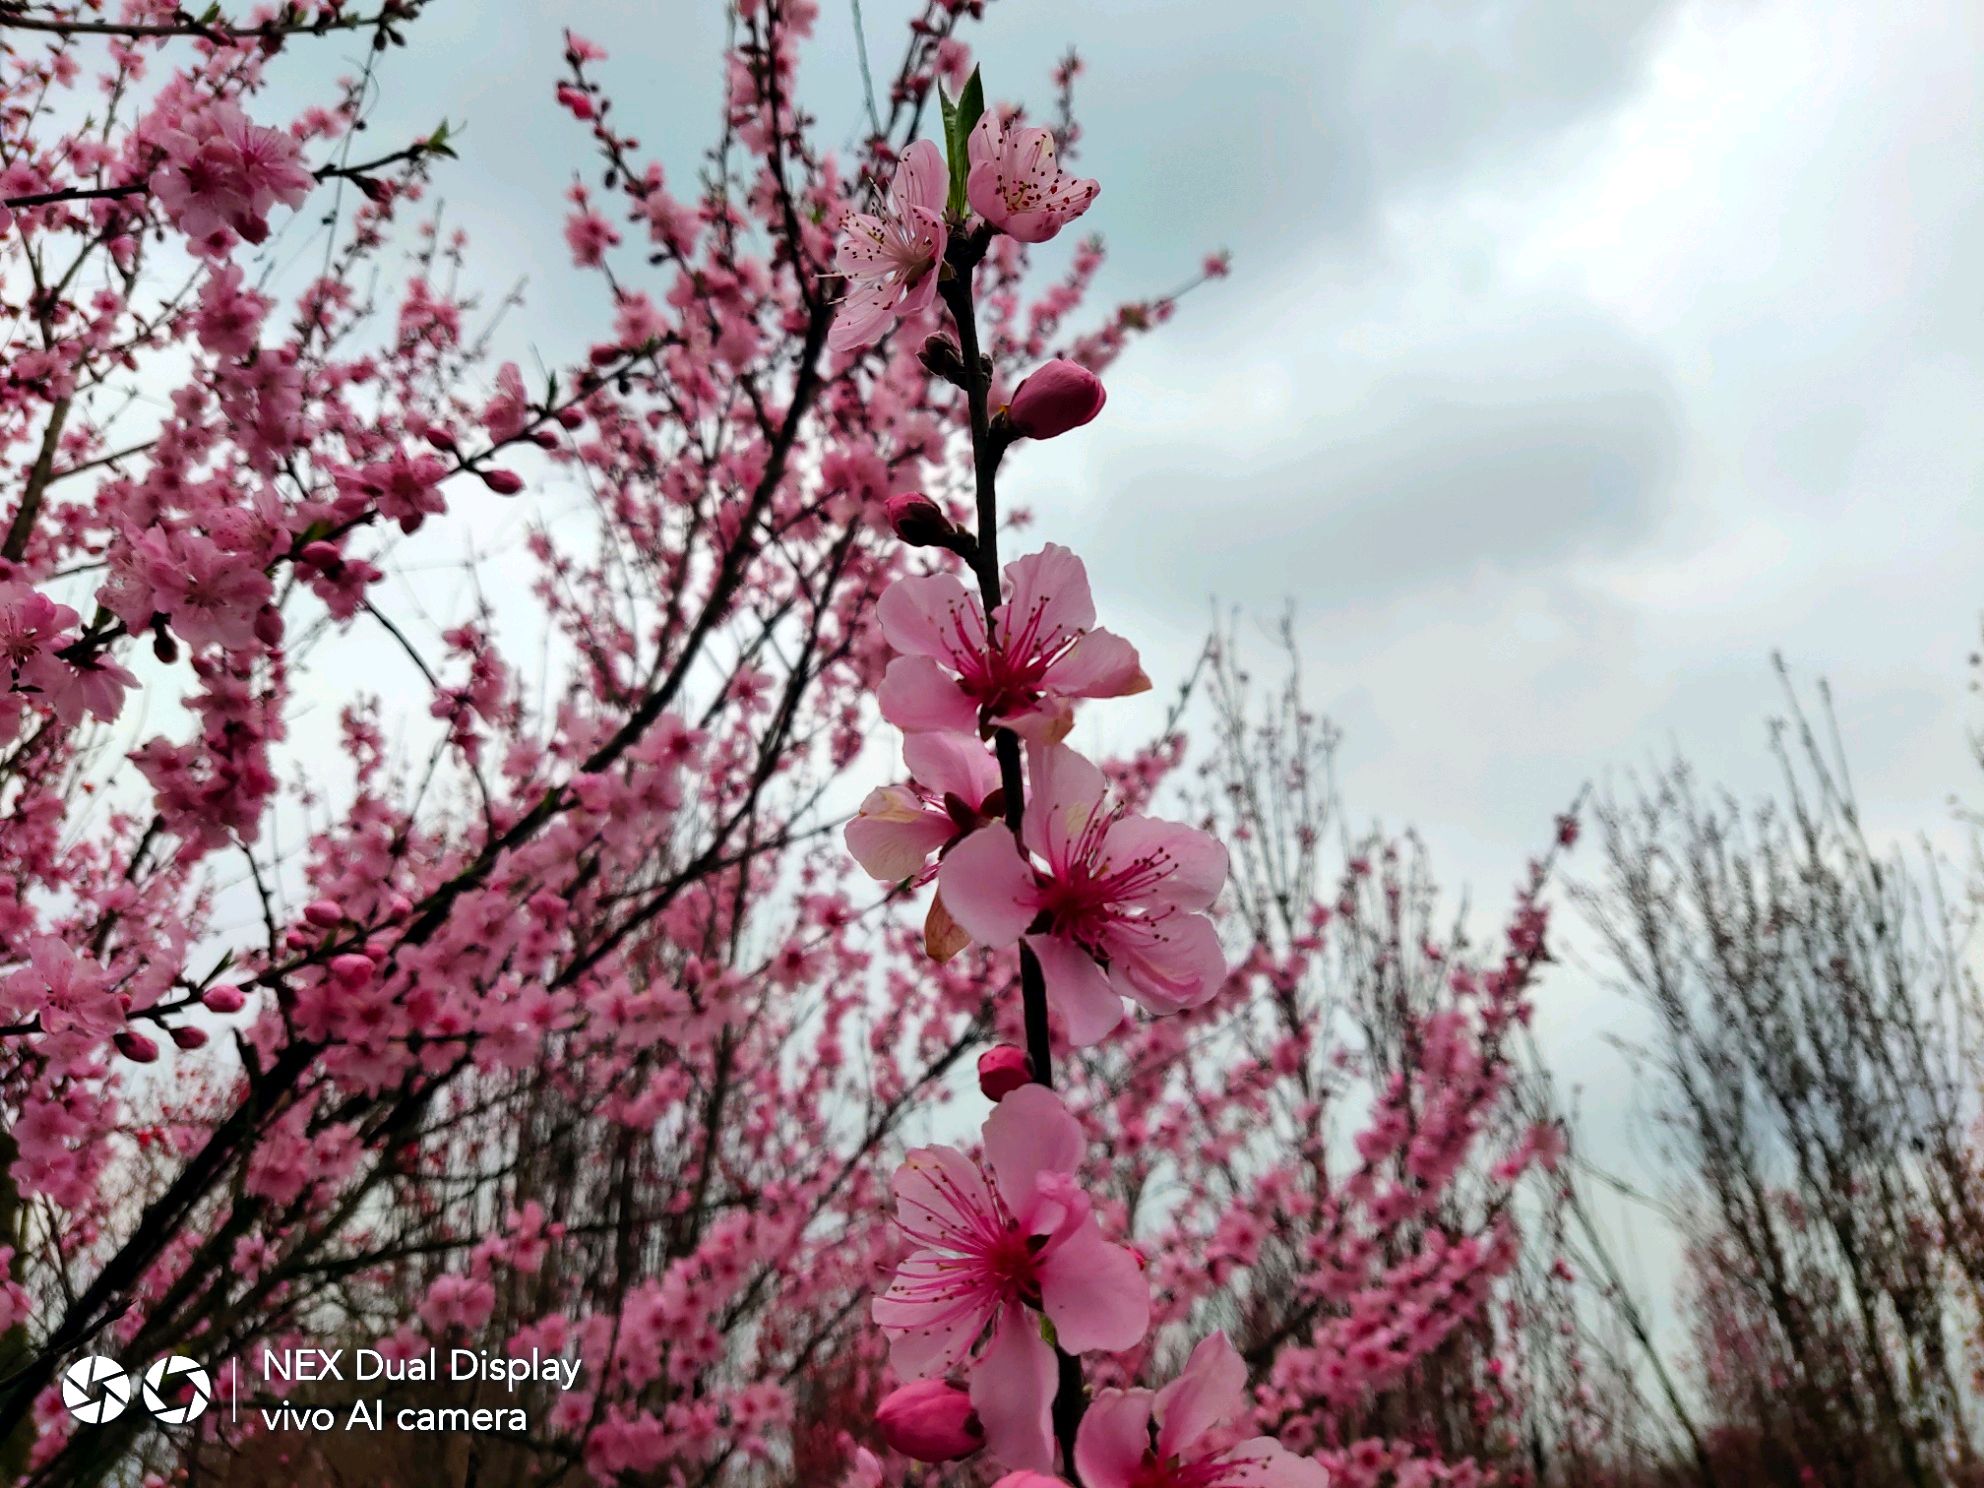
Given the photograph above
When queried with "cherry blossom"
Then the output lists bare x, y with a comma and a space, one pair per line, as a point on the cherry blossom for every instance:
1168, 1439
996, 1241
890, 256
1044, 653
1111, 903
1016, 183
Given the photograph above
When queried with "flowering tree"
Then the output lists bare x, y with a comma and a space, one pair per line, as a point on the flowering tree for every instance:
559, 1017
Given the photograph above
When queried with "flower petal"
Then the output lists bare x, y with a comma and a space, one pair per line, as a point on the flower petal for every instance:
1167, 965
1115, 1435
921, 180
918, 696
893, 835
1210, 1388
1193, 862
931, 615
1077, 989
988, 886
927, 1339
1030, 1132
1064, 793
952, 764
1271, 1465
1012, 1388
1099, 665
1095, 1293
1047, 596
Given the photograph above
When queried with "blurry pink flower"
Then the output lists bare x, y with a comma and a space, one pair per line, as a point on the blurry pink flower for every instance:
1112, 905
996, 1241
1048, 651
1054, 398
891, 256
1029, 1480
898, 827
1137, 1439
1017, 185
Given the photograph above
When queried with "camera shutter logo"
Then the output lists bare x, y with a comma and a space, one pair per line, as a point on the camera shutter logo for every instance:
162, 1379
95, 1389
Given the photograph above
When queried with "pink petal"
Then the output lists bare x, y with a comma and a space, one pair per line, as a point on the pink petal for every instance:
863, 318
1115, 1435
1099, 665
988, 888
927, 1341
1167, 966
1095, 1293
1012, 1387
919, 696
1077, 989
1029, 1133
931, 615
941, 1197
1210, 1388
1196, 860
1049, 589
860, 251
1274, 1466
1065, 791
893, 836
922, 180
952, 764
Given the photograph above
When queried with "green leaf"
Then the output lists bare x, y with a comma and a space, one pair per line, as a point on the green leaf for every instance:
959, 120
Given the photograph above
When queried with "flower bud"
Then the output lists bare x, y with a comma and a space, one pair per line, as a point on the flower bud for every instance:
187, 1037
322, 556
134, 1046
323, 913
1003, 1070
1027, 1479
268, 625
224, 999
941, 358
919, 521
1057, 397
931, 1421
502, 482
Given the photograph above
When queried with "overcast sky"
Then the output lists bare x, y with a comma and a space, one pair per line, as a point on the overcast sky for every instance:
1576, 357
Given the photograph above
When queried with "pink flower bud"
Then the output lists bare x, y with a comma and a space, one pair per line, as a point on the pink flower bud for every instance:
1058, 397
1024, 1479
502, 482
322, 556
919, 521
324, 913
931, 1421
189, 1038
135, 1047
1003, 1070
268, 625
224, 999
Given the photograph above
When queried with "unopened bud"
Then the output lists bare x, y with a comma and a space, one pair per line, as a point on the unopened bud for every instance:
931, 1421
502, 482
224, 999
919, 521
1057, 397
135, 1047
189, 1038
325, 914
942, 358
1003, 1070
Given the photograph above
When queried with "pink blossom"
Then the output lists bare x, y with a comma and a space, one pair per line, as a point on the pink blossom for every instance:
210, 596
223, 174
1003, 1070
1111, 903
898, 827
996, 1241
891, 256
1046, 651
1137, 1439
1017, 185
